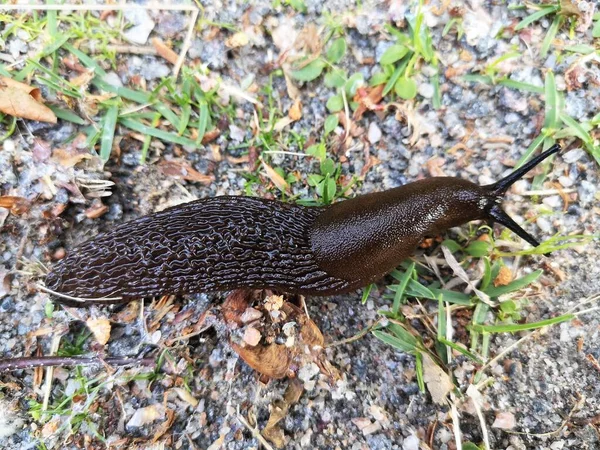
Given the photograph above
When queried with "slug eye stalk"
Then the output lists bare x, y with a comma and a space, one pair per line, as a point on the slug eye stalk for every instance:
499, 188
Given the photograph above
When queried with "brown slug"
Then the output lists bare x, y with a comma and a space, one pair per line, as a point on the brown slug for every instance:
231, 242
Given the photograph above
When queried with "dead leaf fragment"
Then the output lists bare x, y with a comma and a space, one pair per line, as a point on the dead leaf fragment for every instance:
504, 277
275, 178
164, 50
273, 360
100, 328
279, 410
439, 384
16, 205
23, 101
184, 171
295, 112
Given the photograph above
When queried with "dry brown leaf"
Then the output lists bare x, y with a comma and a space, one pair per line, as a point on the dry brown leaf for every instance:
275, 178
239, 39
273, 360
164, 427
184, 171
100, 328
235, 305
164, 50
70, 156
279, 410
16, 205
23, 101
282, 123
83, 79
504, 277
439, 384
295, 112
368, 99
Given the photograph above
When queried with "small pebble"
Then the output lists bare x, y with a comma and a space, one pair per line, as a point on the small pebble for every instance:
573, 155
374, 134
544, 224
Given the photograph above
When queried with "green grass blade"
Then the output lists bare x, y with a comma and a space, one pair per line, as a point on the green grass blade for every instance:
516, 327
366, 293
576, 127
404, 279
160, 134
515, 285
67, 114
394, 342
550, 35
536, 16
552, 102
521, 86
530, 150
108, 132
203, 122
462, 350
400, 69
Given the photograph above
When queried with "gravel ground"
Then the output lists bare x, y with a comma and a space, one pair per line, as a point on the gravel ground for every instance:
542, 395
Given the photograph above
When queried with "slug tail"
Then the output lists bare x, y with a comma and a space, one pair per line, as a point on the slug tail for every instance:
500, 187
498, 215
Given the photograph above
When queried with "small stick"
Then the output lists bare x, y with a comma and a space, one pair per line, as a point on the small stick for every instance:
31, 362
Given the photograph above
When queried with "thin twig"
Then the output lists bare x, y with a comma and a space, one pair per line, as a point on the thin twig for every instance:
253, 430
31, 362
356, 337
187, 43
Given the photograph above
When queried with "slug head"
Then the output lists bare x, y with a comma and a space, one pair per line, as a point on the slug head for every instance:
497, 190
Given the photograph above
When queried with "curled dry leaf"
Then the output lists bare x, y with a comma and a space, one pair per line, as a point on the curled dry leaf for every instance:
100, 328
144, 416
184, 171
16, 205
70, 156
23, 101
164, 50
279, 409
235, 305
368, 99
272, 360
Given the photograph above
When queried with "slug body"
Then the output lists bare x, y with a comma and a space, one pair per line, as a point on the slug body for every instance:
231, 242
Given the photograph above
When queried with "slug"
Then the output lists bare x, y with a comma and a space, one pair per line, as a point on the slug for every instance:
231, 242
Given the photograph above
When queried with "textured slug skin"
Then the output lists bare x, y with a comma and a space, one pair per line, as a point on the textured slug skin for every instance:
213, 244
362, 239
225, 243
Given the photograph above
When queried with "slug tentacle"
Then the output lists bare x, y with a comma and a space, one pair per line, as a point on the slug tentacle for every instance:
498, 189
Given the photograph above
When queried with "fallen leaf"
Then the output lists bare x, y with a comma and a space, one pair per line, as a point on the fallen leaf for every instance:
164, 50
295, 112
184, 171
235, 305
164, 427
282, 123
70, 156
23, 101
504, 277
439, 384
100, 328
16, 205
279, 409
368, 99
275, 178
273, 360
